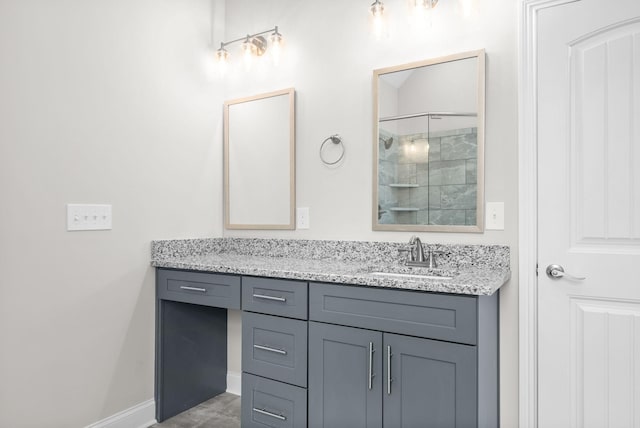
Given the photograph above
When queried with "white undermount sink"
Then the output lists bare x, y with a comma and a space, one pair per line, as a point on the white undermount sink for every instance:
410, 275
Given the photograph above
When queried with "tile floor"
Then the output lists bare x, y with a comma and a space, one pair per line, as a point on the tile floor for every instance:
222, 411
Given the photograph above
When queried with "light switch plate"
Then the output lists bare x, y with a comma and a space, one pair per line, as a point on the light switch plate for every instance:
89, 217
302, 218
495, 216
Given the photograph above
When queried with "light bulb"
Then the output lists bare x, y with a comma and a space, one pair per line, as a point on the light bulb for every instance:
222, 56
377, 11
247, 53
276, 46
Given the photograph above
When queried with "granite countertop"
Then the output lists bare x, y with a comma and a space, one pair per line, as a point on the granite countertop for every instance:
472, 269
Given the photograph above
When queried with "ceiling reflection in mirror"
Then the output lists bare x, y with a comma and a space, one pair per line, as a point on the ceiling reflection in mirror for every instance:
428, 145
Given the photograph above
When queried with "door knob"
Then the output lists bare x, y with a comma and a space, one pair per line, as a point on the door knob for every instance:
557, 271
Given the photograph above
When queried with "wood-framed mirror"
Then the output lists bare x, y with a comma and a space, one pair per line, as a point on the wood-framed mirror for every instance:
259, 161
428, 148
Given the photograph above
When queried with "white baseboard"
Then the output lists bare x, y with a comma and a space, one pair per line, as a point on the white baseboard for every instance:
234, 383
142, 415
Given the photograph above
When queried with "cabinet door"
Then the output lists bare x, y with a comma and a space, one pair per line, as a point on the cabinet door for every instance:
433, 383
345, 377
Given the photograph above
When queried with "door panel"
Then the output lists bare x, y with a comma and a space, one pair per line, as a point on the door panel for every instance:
588, 133
604, 74
433, 383
607, 342
339, 394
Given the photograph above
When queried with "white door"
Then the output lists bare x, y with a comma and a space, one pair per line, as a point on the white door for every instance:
589, 214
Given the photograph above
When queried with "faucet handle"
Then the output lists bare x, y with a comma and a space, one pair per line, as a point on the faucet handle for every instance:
432, 258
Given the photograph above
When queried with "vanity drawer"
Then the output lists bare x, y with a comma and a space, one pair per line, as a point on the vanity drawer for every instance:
267, 403
275, 296
275, 347
434, 316
209, 289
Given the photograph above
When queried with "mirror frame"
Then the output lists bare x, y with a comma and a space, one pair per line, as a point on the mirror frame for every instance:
479, 226
291, 225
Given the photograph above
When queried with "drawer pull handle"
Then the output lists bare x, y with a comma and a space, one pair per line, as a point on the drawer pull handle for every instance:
389, 379
184, 287
371, 375
268, 348
273, 415
265, 297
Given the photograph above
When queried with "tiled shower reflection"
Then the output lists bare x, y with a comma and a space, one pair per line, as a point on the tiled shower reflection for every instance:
428, 178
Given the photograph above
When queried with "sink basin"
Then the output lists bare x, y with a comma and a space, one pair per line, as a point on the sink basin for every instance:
410, 275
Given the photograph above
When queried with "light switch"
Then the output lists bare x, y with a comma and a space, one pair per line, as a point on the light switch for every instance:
88, 217
302, 218
495, 216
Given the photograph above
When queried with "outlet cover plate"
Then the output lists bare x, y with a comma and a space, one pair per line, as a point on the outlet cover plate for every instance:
302, 218
495, 216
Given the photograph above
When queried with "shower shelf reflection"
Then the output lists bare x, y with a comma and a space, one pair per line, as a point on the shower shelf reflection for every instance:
404, 209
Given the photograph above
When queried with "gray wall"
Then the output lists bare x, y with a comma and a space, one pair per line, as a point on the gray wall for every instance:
101, 102
330, 57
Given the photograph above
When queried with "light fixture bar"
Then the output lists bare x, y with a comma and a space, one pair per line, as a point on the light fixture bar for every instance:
249, 36
253, 45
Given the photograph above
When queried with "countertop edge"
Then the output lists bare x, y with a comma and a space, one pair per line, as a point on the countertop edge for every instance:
499, 277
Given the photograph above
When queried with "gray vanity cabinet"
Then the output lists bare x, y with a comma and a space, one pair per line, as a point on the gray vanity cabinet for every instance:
369, 379
328, 355
389, 358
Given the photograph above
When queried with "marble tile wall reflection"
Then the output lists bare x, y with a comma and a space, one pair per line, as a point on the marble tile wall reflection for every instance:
442, 169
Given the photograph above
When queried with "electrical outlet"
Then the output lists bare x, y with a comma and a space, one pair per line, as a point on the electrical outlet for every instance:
495, 216
302, 218
88, 217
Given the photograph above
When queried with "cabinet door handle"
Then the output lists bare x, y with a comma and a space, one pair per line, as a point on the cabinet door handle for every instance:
389, 380
265, 297
273, 415
184, 287
270, 349
371, 375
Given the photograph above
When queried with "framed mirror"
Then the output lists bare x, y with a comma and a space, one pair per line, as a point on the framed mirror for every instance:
259, 161
428, 163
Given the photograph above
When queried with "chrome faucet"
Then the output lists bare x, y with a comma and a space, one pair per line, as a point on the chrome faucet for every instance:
417, 257
417, 253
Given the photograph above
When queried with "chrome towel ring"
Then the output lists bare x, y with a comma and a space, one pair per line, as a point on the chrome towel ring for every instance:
335, 139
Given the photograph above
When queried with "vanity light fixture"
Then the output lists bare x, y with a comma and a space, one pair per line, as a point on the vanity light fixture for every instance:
377, 8
377, 11
418, 6
253, 45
